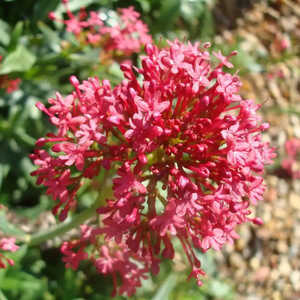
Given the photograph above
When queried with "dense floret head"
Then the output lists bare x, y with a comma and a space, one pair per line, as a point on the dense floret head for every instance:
187, 150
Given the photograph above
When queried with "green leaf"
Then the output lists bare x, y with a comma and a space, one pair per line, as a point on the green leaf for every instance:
18, 255
220, 289
191, 10
19, 60
74, 5
2, 296
22, 281
4, 169
208, 263
4, 33
145, 5
168, 14
166, 288
15, 35
115, 71
207, 26
246, 62
43, 7
51, 36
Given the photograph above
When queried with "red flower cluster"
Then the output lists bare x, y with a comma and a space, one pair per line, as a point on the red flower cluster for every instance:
10, 85
291, 164
7, 244
109, 258
123, 39
188, 153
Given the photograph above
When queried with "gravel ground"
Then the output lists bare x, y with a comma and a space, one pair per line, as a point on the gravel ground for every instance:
265, 262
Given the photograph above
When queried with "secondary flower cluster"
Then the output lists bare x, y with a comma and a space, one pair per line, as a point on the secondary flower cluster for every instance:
123, 39
111, 258
10, 85
291, 163
187, 151
7, 244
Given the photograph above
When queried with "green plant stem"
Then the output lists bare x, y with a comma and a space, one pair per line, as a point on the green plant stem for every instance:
62, 228
40, 237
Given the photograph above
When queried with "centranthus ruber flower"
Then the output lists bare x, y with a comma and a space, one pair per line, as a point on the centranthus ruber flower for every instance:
7, 245
188, 155
121, 40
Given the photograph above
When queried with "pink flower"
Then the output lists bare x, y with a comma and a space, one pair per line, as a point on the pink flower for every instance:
121, 40
112, 258
7, 244
186, 148
291, 163
74, 24
129, 36
55, 175
282, 42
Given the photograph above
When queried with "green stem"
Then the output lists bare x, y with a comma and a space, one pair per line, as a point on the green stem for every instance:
76, 221
62, 228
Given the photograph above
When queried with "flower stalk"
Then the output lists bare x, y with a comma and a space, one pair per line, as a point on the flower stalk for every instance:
74, 222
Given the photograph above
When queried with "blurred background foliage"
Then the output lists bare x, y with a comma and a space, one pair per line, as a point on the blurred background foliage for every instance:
43, 54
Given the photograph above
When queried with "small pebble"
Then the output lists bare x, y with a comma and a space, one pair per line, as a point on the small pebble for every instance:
294, 200
282, 247
295, 280
284, 266
254, 263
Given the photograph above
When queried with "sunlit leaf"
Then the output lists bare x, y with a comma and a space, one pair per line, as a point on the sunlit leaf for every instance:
168, 14
19, 60
51, 37
220, 289
166, 288
4, 33
15, 35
